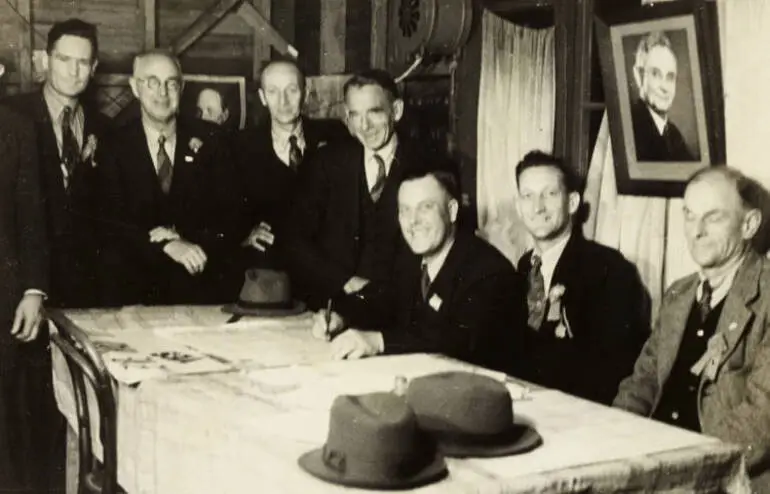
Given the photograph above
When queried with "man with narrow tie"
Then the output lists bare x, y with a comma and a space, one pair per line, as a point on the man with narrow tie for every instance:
167, 195
343, 231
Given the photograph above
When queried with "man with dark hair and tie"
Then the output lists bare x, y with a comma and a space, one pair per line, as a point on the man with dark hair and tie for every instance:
68, 133
343, 228
269, 157
588, 310
450, 292
706, 365
167, 196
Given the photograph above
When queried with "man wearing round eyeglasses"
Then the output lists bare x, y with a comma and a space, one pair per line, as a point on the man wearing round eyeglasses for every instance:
167, 197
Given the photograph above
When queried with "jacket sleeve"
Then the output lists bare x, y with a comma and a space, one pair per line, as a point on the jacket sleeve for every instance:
31, 229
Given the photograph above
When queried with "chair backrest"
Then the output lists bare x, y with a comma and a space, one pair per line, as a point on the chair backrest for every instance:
86, 368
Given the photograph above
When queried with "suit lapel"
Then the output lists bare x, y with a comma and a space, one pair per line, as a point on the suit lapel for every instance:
184, 157
353, 177
673, 320
143, 167
447, 278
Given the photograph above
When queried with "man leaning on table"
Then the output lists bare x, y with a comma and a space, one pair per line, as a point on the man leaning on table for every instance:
706, 365
450, 292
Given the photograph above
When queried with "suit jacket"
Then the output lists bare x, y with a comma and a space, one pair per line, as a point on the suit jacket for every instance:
475, 309
735, 407
607, 309
71, 231
268, 183
650, 144
201, 206
323, 231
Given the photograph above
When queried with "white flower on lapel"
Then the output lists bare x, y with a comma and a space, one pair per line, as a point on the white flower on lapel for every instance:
89, 149
708, 364
321, 144
557, 312
195, 144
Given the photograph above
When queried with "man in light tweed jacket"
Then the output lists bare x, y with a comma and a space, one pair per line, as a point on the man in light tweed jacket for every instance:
706, 366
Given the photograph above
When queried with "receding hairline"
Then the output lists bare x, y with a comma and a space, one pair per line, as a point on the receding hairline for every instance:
281, 63
211, 91
746, 190
143, 59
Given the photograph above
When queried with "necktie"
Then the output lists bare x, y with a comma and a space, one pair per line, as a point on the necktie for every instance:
704, 302
424, 282
69, 144
379, 181
536, 294
295, 153
165, 169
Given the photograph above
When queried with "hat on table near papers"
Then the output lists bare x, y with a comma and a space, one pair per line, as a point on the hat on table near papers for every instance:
265, 293
374, 442
469, 415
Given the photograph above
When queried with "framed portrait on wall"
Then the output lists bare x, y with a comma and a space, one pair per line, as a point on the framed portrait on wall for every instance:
218, 99
663, 86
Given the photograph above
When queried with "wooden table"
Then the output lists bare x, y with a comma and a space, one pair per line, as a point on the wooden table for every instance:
241, 429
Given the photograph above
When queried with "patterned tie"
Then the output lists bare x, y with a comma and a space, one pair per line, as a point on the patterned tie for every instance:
704, 302
536, 294
295, 153
424, 281
379, 182
165, 169
69, 144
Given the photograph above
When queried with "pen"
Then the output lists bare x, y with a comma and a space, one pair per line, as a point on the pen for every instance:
328, 316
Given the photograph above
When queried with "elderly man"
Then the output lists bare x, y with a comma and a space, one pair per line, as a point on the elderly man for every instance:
655, 70
706, 366
343, 228
68, 134
588, 311
452, 294
212, 106
270, 155
167, 193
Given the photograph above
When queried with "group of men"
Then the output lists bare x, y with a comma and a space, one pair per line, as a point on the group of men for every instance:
167, 210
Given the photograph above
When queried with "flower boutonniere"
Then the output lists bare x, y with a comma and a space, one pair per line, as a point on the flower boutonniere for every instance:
195, 145
708, 364
89, 149
556, 311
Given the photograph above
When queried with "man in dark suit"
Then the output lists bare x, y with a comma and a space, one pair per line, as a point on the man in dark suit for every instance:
27, 409
167, 194
270, 155
655, 69
588, 310
68, 134
342, 230
450, 291
706, 365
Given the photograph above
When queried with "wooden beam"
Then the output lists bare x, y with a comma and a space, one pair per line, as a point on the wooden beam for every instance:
203, 24
333, 14
264, 29
379, 40
581, 85
26, 81
261, 45
149, 14
282, 16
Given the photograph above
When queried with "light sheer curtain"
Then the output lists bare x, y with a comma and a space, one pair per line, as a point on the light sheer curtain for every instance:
516, 114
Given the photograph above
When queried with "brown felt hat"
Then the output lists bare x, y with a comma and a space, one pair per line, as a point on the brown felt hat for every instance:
265, 293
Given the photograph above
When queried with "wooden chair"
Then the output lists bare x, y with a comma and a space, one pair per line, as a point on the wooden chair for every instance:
87, 368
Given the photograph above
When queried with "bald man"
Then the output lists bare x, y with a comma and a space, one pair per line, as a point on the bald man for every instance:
271, 154
212, 107
166, 189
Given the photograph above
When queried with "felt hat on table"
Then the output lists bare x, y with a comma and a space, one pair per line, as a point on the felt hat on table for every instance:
266, 293
374, 442
469, 415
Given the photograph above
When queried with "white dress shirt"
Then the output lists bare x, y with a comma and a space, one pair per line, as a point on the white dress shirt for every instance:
721, 285
152, 144
550, 258
371, 167
660, 122
435, 263
281, 144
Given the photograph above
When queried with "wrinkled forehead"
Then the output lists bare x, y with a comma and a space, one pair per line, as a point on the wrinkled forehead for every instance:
159, 66
712, 192
281, 74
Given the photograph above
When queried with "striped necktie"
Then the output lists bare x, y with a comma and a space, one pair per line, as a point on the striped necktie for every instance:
379, 182
536, 293
165, 168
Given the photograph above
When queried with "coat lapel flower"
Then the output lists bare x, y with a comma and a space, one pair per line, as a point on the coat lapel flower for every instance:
89, 150
556, 312
194, 145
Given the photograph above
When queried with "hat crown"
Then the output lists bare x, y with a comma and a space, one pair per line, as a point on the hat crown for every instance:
375, 435
461, 402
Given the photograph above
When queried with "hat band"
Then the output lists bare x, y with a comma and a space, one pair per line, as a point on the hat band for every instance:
386, 467
266, 305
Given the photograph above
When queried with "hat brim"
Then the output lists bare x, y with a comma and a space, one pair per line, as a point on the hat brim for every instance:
298, 307
520, 438
312, 462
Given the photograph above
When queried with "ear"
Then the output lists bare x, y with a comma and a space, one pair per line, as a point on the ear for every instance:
262, 98
93, 67
752, 220
398, 109
637, 71
134, 86
573, 202
225, 115
46, 61
454, 208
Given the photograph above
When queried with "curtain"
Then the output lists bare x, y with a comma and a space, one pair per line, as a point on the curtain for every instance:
516, 114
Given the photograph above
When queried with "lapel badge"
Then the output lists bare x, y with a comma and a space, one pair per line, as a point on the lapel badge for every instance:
435, 302
188, 159
733, 326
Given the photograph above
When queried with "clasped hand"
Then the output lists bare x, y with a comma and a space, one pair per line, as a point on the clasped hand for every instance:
261, 237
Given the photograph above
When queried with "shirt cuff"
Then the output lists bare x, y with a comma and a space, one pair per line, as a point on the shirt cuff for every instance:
380, 342
35, 291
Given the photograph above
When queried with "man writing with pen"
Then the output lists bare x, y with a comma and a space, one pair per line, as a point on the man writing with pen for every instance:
450, 292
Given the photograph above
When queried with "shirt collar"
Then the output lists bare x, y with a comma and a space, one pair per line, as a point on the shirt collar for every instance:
55, 104
281, 136
721, 284
386, 152
436, 262
153, 134
660, 122
550, 257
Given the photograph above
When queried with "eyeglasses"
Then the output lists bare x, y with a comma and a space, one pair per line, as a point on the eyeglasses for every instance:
171, 85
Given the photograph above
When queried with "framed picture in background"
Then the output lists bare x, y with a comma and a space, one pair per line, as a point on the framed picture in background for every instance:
220, 99
663, 86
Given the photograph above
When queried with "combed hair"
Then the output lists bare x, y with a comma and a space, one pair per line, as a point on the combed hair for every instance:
444, 175
73, 27
646, 44
750, 191
373, 77
538, 158
158, 52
